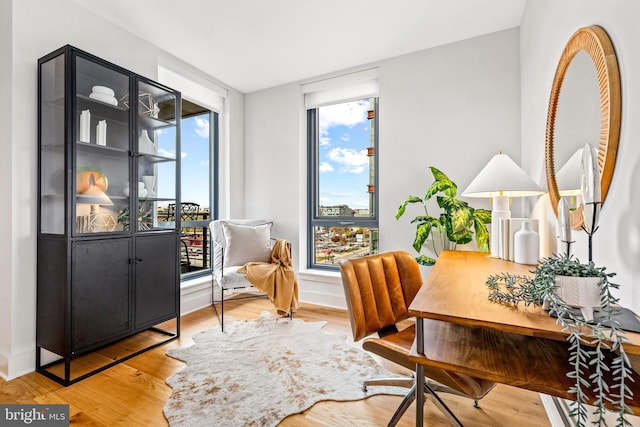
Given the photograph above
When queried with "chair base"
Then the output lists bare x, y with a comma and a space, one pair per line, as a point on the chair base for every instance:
220, 316
430, 389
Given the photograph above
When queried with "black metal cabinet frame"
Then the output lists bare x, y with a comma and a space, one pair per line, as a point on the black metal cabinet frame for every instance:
108, 164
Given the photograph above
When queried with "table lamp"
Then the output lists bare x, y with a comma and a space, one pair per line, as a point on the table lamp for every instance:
95, 197
569, 176
501, 179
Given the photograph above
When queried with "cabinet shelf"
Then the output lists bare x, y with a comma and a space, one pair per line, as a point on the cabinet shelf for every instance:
154, 123
87, 147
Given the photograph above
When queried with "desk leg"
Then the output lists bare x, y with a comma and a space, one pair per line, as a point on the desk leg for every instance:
419, 395
420, 373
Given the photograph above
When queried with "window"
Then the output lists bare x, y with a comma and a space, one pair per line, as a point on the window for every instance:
198, 192
343, 198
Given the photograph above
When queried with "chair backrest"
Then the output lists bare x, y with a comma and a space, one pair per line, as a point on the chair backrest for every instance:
220, 241
379, 289
188, 211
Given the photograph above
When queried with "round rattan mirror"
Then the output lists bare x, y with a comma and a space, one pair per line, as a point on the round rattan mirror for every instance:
596, 43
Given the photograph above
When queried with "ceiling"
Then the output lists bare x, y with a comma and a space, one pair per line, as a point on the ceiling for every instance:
255, 44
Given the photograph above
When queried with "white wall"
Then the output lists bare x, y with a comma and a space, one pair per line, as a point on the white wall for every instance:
30, 29
5, 182
452, 107
546, 27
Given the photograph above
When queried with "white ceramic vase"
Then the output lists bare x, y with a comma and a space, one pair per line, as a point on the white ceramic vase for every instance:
526, 245
149, 185
142, 192
145, 144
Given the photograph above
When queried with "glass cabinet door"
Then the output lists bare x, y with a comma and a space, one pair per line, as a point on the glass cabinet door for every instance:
52, 145
157, 150
102, 147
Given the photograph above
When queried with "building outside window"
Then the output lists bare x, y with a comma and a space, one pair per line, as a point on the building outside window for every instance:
343, 198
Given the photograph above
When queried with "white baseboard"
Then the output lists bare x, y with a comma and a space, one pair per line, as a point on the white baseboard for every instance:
556, 411
321, 288
194, 295
17, 365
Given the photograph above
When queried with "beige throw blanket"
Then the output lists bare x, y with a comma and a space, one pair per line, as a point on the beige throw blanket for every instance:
276, 277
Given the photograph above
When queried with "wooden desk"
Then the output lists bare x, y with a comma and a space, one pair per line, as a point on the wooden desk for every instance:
459, 329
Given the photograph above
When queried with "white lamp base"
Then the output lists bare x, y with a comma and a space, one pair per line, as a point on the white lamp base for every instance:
500, 210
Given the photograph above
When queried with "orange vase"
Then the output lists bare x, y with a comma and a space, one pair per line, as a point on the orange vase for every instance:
84, 180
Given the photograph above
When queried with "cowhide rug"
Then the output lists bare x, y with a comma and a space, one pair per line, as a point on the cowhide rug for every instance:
260, 371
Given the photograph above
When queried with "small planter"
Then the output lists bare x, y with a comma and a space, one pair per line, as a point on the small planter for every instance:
581, 292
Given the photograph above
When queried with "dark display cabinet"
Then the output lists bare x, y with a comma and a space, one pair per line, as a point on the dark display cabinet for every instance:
108, 261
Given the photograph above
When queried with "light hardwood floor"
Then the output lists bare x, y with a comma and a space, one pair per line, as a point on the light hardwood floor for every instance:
133, 393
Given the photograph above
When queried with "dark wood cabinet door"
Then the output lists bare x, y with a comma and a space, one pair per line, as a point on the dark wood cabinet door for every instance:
156, 279
100, 292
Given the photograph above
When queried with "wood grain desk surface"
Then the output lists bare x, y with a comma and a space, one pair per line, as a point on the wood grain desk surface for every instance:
455, 291
465, 332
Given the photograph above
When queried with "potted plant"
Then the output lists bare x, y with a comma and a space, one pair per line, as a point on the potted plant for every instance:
455, 225
589, 340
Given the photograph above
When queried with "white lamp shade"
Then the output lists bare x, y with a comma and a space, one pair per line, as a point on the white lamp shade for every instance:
502, 177
569, 177
94, 196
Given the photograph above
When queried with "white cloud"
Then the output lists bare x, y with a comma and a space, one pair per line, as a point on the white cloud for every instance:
325, 167
345, 137
327, 195
350, 160
348, 114
202, 127
324, 141
166, 153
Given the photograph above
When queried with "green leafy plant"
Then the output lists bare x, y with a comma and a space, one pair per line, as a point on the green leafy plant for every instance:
144, 218
588, 342
455, 225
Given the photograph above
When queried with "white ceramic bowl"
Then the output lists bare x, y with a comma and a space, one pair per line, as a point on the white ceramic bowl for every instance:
103, 89
104, 98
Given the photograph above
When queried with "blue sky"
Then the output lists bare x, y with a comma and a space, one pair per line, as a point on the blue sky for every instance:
343, 160
194, 157
195, 160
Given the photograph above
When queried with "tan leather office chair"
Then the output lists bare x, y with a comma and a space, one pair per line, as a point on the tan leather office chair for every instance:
379, 289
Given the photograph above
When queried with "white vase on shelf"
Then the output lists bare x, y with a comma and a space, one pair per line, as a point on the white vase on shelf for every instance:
149, 185
145, 144
526, 245
142, 192
85, 123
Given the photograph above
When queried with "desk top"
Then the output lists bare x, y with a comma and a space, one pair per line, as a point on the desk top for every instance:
455, 291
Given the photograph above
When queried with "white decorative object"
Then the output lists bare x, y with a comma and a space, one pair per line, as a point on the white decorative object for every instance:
581, 292
101, 133
590, 189
85, 123
508, 229
501, 179
149, 185
142, 192
499, 211
145, 144
564, 227
103, 94
526, 245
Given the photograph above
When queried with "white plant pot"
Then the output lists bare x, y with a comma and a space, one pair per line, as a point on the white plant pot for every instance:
581, 292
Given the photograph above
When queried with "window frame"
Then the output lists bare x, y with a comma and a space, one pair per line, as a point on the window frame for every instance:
214, 135
313, 178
